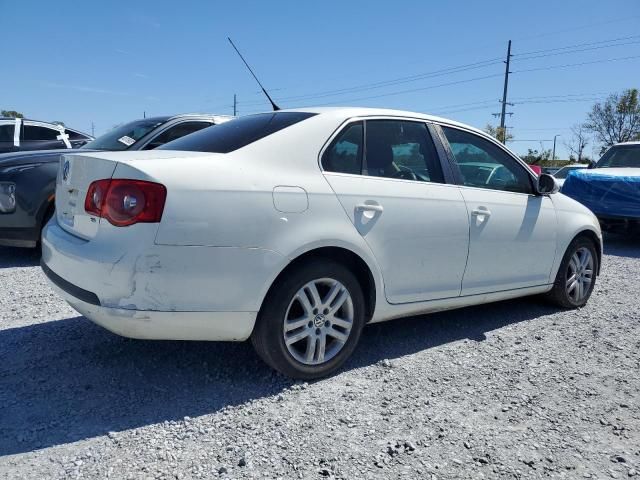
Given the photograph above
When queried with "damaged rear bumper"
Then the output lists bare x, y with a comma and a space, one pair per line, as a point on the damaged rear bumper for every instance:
135, 288
156, 325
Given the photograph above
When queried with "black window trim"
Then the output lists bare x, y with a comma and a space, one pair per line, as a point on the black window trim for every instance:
456, 169
443, 159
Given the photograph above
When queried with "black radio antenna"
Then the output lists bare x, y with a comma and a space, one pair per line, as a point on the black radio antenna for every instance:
273, 104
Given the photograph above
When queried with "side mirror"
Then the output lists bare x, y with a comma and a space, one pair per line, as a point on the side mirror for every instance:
547, 184
592, 164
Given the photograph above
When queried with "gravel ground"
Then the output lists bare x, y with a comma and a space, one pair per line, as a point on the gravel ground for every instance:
510, 390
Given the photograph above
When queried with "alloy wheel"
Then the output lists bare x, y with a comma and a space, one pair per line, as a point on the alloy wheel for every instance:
579, 274
318, 321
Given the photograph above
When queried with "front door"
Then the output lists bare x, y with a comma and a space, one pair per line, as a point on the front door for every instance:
512, 231
391, 186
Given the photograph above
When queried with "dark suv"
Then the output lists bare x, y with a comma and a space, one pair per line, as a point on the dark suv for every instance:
17, 134
28, 179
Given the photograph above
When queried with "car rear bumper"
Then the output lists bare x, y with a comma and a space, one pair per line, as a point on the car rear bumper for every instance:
157, 325
129, 285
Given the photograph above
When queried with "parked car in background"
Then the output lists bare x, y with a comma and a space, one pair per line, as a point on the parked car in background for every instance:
17, 134
562, 173
550, 170
28, 179
611, 188
296, 228
537, 169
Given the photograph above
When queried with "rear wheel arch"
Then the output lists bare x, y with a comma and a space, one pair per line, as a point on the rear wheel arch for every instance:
344, 256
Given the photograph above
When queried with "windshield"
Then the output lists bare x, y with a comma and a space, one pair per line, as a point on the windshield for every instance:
122, 137
621, 157
237, 133
564, 171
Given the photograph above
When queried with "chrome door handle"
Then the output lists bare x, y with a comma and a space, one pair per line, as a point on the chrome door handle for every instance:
485, 212
369, 207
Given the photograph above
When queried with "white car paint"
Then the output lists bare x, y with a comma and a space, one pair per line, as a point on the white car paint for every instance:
232, 222
567, 168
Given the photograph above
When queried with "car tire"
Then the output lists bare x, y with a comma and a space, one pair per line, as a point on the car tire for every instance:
292, 329
576, 276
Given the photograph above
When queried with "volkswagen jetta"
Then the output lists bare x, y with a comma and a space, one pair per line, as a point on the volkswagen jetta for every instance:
296, 228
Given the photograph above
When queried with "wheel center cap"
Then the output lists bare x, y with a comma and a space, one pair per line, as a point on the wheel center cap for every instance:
318, 320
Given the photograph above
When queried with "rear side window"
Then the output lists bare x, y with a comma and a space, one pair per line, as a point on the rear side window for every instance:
236, 134
401, 149
31, 132
345, 153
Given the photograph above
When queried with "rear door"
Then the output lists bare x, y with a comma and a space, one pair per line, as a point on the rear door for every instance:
389, 179
512, 230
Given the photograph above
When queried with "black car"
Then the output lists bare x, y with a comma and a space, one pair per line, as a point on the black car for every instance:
18, 134
28, 179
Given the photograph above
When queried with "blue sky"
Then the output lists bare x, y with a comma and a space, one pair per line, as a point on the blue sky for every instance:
108, 62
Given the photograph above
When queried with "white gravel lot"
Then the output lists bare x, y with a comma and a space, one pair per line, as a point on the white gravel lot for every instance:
516, 389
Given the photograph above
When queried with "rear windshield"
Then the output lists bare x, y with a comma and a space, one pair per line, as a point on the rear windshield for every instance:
236, 134
122, 137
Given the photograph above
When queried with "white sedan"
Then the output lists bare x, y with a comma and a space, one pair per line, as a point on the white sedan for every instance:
296, 228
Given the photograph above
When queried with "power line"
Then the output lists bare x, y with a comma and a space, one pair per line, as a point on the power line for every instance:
388, 83
552, 67
532, 57
619, 39
414, 89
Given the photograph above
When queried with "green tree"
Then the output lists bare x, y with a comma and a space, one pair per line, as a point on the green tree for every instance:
617, 119
534, 157
11, 114
499, 133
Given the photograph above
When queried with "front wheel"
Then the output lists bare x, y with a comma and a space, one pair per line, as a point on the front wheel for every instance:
576, 276
311, 320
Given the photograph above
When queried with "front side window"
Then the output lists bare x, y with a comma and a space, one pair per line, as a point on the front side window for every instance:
73, 135
35, 133
485, 165
344, 155
235, 134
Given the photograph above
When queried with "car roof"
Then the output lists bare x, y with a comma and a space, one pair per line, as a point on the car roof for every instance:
348, 112
626, 143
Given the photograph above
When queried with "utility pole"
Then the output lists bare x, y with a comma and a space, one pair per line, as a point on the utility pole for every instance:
144, 114
235, 105
504, 94
553, 155
93, 129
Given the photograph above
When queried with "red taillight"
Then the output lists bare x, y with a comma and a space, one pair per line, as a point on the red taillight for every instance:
125, 202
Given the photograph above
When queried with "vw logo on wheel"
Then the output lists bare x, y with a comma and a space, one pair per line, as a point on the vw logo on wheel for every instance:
65, 170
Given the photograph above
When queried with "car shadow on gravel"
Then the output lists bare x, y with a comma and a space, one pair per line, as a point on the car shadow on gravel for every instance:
622, 245
67, 380
19, 257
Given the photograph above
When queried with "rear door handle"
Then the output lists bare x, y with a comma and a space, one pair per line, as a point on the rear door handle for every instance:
481, 211
371, 207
